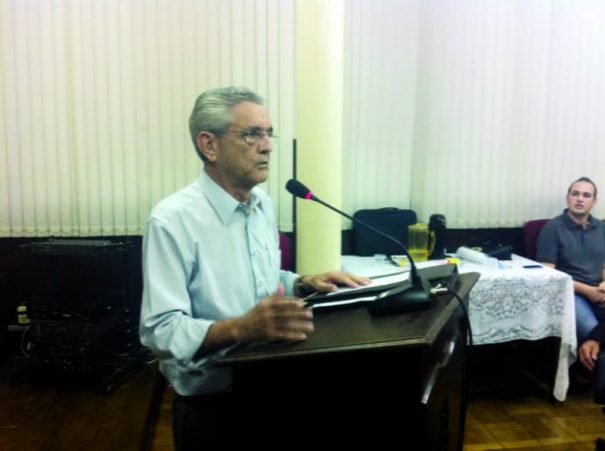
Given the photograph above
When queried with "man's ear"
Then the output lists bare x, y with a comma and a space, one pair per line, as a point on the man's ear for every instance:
207, 144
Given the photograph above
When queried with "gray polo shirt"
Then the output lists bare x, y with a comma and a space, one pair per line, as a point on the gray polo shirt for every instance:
576, 250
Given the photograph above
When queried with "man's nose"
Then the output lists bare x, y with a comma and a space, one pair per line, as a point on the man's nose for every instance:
266, 144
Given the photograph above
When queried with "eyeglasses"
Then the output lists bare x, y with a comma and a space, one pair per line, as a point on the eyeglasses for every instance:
254, 135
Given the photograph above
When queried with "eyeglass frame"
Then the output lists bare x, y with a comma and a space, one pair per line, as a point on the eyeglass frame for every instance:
253, 135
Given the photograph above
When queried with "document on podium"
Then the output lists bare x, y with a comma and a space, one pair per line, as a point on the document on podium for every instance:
365, 293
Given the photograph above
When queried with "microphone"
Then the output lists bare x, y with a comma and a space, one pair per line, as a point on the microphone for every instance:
417, 297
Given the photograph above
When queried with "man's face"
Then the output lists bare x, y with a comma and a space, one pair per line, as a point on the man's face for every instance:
580, 199
243, 158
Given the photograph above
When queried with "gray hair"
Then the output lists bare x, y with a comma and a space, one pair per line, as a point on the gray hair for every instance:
212, 111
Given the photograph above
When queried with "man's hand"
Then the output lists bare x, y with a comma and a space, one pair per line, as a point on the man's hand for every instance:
329, 281
276, 318
589, 352
596, 295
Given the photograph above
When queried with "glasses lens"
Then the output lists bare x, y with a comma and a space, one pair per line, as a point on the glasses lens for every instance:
253, 137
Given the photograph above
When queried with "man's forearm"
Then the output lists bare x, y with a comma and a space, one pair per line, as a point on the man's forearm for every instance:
578, 287
581, 288
585, 290
221, 334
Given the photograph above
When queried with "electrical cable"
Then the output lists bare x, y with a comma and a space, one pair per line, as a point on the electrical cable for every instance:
22, 342
466, 316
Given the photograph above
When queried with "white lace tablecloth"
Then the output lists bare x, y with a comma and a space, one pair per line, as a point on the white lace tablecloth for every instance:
510, 302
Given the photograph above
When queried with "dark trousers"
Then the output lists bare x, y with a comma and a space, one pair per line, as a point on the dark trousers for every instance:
198, 421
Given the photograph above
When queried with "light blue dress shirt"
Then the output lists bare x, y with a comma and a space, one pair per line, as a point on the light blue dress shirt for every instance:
206, 257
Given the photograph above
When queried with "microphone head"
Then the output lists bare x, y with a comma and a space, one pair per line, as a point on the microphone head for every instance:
298, 189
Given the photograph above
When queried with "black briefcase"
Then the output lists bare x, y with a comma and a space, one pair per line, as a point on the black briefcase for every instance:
392, 221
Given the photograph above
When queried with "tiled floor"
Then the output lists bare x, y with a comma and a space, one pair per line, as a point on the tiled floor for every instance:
505, 420
505, 411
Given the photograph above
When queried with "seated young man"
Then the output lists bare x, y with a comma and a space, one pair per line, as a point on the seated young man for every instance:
574, 242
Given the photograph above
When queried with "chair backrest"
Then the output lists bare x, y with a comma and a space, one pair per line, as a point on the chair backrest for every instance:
531, 231
285, 246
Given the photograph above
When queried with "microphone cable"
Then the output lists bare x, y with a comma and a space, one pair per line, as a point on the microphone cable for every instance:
467, 319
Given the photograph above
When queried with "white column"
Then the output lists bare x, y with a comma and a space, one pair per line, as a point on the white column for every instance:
319, 89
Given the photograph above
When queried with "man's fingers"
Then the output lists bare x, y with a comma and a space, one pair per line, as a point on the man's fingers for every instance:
586, 359
292, 329
360, 280
329, 281
325, 287
286, 307
348, 279
290, 336
286, 319
588, 364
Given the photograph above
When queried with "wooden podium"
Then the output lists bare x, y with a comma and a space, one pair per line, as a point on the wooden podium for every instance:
397, 379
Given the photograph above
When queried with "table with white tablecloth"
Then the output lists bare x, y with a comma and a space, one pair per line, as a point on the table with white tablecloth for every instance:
510, 302
515, 300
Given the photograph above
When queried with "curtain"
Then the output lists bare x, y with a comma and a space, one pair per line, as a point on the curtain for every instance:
96, 96
483, 111
509, 102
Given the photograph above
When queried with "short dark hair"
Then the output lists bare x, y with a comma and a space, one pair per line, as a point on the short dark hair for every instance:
212, 111
583, 179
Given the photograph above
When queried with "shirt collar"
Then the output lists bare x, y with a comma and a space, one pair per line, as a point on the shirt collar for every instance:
571, 224
224, 203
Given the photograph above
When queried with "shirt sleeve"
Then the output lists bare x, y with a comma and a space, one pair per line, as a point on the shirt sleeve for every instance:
288, 278
167, 326
547, 248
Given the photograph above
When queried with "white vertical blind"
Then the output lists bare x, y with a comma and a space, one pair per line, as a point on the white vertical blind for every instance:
96, 98
482, 111
510, 102
381, 42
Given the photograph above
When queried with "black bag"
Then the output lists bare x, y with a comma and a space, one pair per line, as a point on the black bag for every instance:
392, 221
497, 250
